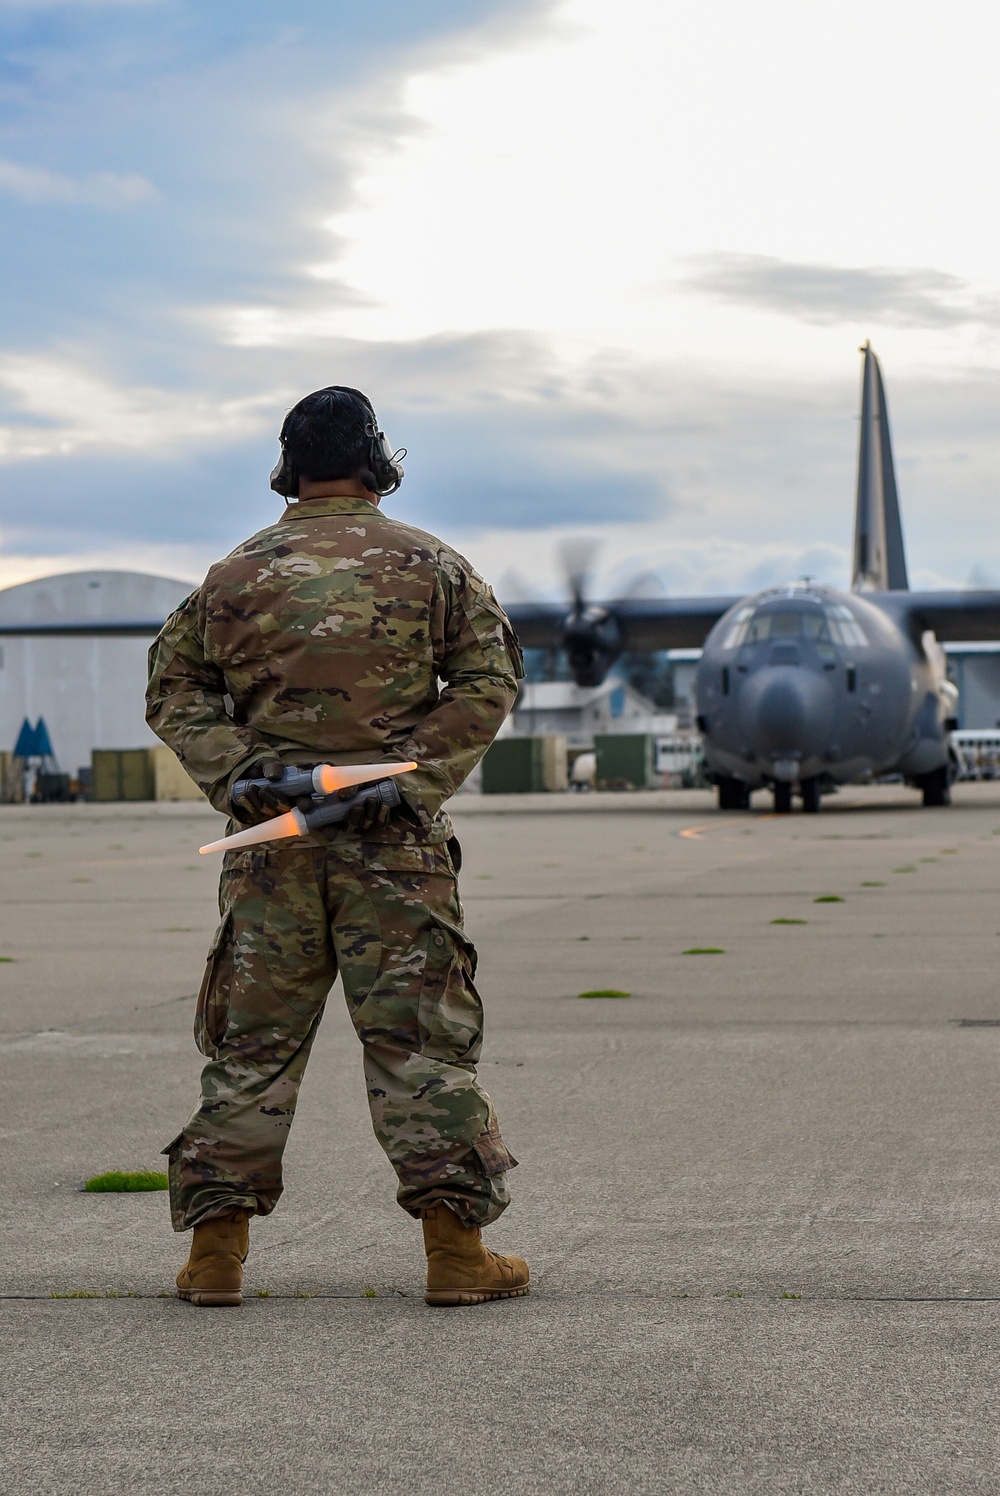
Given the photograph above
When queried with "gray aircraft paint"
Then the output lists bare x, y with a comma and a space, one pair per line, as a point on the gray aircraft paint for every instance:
879, 559
855, 689
811, 687
835, 690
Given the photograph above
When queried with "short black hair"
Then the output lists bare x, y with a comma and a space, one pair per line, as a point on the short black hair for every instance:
326, 435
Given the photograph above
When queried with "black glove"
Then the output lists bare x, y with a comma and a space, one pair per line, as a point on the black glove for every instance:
367, 816
261, 801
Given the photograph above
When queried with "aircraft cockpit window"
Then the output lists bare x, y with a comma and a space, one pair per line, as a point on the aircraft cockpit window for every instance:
788, 624
844, 627
737, 629
834, 624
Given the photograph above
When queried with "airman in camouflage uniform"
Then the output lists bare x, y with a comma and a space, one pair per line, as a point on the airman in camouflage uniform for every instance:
341, 635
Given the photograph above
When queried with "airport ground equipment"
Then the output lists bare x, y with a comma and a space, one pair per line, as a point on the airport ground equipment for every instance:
138, 774
802, 688
977, 750
625, 761
526, 765
122, 774
11, 779
322, 803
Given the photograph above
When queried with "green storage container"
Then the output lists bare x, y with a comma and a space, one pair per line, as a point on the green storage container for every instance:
513, 766
122, 774
525, 765
625, 761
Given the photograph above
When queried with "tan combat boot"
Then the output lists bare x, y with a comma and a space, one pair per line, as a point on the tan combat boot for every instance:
213, 1273
460, 1270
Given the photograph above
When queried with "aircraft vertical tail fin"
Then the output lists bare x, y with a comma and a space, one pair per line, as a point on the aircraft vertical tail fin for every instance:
879, 558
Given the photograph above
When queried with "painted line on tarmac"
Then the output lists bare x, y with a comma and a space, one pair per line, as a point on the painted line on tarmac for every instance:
697, 833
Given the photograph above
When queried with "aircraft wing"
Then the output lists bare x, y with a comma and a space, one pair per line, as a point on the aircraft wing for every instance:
954, 616
645, 623
537, 625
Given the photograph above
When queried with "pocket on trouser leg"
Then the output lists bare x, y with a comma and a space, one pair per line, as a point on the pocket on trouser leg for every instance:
472, 1180
212, 1009
450, 1010
492, 1152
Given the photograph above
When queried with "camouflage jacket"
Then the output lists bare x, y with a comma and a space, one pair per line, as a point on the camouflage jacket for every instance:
329, 633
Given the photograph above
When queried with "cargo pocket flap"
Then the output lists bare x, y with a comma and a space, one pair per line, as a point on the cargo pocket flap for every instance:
492, 1151
452, 935
212, 1008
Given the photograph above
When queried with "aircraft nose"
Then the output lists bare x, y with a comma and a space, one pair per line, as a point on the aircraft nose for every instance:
794, 714
782, 714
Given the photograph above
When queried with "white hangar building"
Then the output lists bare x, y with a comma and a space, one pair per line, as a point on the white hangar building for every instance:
73, 651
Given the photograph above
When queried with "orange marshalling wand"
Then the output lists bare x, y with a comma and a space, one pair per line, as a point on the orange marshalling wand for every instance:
327, 779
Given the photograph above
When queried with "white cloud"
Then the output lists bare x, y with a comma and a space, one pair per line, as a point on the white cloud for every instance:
560, 183
102, 189
522, 219
69, 409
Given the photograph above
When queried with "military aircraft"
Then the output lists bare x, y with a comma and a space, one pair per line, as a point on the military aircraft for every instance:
804, 687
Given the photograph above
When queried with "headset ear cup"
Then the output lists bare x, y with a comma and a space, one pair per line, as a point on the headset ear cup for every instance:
385, 473
285, 477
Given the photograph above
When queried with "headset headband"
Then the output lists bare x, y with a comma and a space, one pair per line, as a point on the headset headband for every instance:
384, 473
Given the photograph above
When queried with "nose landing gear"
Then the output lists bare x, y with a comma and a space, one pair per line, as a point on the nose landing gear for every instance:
734, 794
808, 789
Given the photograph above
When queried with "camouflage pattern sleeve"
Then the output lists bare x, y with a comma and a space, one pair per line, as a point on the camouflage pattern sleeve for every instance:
186, 706
478, 659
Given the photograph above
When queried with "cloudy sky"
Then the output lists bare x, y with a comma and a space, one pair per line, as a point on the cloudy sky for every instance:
603, 268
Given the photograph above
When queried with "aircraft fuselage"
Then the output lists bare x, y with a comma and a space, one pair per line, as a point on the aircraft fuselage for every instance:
811, 686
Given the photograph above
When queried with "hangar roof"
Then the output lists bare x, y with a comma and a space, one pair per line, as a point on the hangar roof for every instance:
84, 601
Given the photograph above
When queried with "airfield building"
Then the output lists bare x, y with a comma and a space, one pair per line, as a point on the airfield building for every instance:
73, 653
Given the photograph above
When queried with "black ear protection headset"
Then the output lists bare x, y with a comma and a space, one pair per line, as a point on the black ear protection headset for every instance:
383, 475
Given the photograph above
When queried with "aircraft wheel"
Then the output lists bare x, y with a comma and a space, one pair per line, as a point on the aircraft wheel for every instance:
810, 796
782, 798
733, 794
936, 787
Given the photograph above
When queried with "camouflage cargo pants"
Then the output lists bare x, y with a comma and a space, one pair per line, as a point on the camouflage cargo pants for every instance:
388, 917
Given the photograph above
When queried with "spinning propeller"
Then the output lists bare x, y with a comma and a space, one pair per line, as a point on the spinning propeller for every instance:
591, 635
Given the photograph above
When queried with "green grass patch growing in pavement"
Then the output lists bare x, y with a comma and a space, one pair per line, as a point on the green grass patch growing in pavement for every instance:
789, 921
704, 950
869, 883
604, 992
909, 868
829, 898
115, 1182
76, 1293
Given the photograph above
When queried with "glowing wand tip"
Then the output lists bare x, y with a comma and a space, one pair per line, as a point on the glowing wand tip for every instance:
292, 823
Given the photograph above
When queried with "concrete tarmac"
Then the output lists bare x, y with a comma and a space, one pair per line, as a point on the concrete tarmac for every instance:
758, 1195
